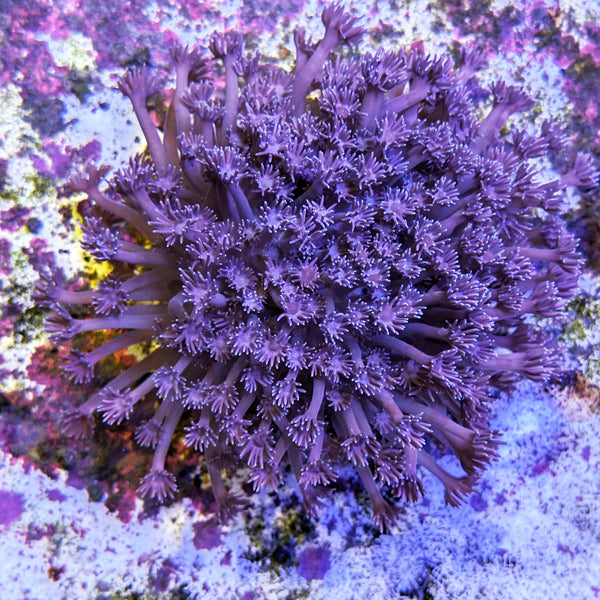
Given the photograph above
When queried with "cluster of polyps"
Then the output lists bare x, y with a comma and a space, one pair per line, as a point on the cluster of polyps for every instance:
334, 265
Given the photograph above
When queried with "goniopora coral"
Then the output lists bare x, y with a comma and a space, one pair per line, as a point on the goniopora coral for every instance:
333, 265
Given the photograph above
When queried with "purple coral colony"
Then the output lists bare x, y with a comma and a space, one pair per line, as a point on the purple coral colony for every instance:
333, 265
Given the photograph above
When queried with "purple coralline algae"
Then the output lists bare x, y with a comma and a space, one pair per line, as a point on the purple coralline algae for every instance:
11, 508
338, 264
313, 563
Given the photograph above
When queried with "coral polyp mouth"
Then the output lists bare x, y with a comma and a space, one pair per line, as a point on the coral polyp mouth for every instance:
326, 278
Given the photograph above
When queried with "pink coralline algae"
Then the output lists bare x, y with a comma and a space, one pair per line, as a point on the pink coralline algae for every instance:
334, 265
